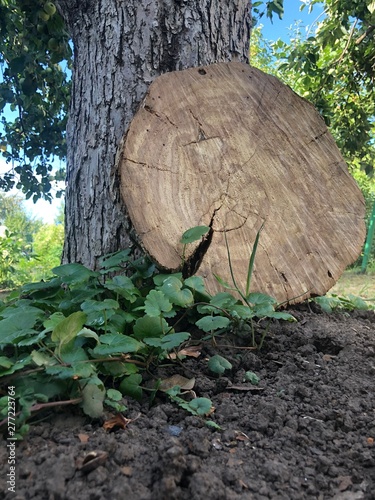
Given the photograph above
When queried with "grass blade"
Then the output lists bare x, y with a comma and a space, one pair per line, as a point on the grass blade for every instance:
251, 261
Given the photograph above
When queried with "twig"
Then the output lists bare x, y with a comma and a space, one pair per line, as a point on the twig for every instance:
347, 43
42, 406
369, 30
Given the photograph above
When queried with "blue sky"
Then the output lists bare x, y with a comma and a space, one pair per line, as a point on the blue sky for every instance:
292, 13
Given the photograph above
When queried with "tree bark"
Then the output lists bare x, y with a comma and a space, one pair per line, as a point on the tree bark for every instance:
119, 48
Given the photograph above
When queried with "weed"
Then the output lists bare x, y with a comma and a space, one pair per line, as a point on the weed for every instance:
330, 303
86, 337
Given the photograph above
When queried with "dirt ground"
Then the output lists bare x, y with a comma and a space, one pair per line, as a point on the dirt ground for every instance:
307, 431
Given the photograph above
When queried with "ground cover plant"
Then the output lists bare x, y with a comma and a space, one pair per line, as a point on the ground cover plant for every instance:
86, 337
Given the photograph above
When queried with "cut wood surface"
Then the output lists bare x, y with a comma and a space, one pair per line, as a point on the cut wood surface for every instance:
232, 148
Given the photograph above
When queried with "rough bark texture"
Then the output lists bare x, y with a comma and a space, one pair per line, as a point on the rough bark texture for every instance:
119, 49
232, 148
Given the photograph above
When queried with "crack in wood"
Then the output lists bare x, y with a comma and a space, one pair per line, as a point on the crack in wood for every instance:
201, 138
146, 165
318, 136
201, 133
151, 110
193, 263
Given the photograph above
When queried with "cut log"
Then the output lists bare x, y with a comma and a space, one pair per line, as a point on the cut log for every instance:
232, 148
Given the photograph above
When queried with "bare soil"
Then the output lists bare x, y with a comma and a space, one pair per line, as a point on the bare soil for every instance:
306, 431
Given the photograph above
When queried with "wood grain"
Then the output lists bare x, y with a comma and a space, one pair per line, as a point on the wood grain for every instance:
228, 146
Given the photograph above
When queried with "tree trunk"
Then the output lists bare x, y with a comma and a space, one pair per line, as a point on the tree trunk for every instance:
119, 49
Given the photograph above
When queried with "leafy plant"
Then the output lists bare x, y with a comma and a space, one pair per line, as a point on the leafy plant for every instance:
197, 406
86, 337
224, 309
330, 303
217, 364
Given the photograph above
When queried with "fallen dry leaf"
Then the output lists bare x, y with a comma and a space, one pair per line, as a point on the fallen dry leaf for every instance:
345, 482
118, 421
127, 471
192, 351
244, 485
185, 383
234, 462
83, 438
250, 388
91, 461
328, 357
241, 436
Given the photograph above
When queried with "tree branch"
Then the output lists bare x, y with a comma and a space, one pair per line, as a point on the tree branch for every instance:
369, 30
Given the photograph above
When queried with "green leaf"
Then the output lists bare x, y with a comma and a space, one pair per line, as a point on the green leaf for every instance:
114, 395
156, 304
73, 355
150, 327
194, 234
50, 323
74, 273
19, 324
213, 425
328, 304
130, 386
252, 378
281, 315
224, 300
251, 261
260, 298
99, 312
218, 364
78, 295
93, 394
241, 311
371, 7
115, 343
90, 306
51, 287
123, 286
160, 278
5, 362
211, 323
113, 261
75, 371
357, 302
67, 329
117, 323
168, 342
224, 283
196, 283
172, 288
18, 365
87, 333
41, 358
201, 406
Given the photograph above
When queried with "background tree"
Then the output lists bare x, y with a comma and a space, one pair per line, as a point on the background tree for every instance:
34, 95
28, 248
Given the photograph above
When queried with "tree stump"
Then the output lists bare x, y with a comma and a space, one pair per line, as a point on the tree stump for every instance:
232, 148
